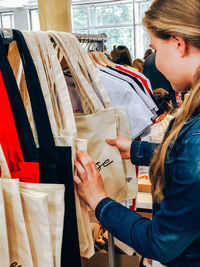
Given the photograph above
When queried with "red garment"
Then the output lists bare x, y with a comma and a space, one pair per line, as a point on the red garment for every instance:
25, 171
144, 81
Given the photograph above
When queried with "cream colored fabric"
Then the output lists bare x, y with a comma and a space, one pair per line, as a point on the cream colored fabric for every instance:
119, 177
43, 211
57, 88
19, 248
36, 216
4, 251
55, 196
85, 237
16, 65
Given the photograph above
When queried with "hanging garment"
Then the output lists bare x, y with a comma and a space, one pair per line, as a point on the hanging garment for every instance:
121, 93
55, 162
67, 134
137, 75
26, 171
44, 228
147, 96
19, 248
119, 181
4, 250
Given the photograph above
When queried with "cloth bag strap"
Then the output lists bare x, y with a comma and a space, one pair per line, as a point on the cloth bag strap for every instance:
45, 136
25, 136
84, 88
41, 62
5, 173
92, 71
62, 93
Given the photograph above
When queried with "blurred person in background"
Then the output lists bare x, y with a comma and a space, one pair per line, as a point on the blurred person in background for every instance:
121, 55
157, 79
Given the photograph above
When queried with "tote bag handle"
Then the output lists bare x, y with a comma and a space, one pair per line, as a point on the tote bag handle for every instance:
63, 97
45, 136
5, 173
92, 71
84, 88
26, 137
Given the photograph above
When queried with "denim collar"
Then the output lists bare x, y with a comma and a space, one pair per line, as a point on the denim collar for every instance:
194, 117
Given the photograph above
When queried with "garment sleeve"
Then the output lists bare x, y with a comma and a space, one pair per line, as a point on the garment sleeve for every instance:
142, 152
175, 225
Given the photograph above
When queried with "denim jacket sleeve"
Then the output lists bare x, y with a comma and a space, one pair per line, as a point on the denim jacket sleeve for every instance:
176, 224
142, 152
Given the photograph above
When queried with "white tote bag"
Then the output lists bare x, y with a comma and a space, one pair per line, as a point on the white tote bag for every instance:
101, 124
67, 132
4, 251
36, 216
19, 248
55, 196
43, 209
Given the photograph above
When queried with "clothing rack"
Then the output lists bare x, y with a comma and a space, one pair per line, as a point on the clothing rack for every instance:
98, 39
7, 36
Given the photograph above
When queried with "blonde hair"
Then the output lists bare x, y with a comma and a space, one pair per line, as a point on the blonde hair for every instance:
165, 19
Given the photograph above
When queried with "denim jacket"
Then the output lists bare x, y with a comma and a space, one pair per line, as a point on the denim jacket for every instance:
173, 236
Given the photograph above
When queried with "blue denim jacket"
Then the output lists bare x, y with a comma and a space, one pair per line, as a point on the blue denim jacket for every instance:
173, 236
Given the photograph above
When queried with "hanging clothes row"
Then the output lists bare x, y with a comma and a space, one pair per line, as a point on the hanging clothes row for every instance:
127, 87
54, 161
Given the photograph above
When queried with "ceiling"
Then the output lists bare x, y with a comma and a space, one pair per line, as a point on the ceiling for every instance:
6, 4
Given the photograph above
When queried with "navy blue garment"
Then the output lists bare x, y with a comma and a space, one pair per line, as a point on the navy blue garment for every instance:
173, 236
156, 78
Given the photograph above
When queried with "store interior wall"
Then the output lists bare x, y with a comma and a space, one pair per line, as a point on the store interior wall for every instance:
120, 20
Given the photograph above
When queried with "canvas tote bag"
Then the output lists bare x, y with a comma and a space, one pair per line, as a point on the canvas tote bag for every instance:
101, 124
68, 133
123, 128
4, 251
43, 209
55, 162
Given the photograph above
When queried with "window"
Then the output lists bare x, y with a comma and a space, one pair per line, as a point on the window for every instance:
121, 23
7, 20
34, 19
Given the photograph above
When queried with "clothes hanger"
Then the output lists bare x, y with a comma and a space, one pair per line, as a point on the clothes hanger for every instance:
91, 57
106, 60
98, 59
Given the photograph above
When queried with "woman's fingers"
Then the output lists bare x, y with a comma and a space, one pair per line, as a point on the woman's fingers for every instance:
111, 142
77, 180
82, 174
85, 160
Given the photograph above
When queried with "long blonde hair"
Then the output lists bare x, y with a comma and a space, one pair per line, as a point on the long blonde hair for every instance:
164, 19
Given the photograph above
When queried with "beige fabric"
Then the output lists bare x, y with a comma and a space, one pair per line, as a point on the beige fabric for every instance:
41, 63
85, 237
19, 248
55, 195
16, 65
119, 177
67, 132
4, 251
48, 199
36, 216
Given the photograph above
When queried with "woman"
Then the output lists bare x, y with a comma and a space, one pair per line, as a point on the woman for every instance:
121, 55
173, 235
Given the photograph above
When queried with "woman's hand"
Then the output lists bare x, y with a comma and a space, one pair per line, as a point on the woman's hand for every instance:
123, 144
88, 180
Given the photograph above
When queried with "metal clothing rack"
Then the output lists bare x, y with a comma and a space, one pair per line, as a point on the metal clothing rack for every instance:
98, 39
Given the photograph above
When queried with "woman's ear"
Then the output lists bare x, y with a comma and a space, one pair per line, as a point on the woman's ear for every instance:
180, 45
